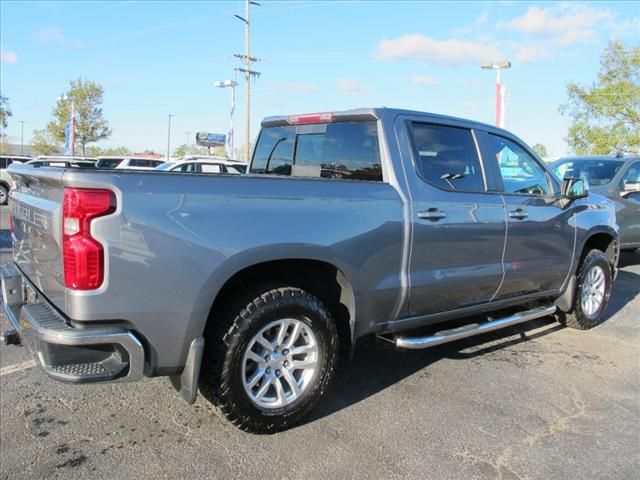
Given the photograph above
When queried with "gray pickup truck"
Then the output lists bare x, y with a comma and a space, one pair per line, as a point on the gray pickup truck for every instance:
348, 224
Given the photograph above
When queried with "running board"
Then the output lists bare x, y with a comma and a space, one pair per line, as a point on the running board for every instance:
470, 330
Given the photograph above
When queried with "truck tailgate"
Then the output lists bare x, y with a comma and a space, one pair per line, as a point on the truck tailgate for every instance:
36, 206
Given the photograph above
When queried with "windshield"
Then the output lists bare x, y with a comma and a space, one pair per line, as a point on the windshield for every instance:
165, 166
596, 172
108, 162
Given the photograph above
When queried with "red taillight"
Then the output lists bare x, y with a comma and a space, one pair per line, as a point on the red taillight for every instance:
326, 117
10, 223
83, 255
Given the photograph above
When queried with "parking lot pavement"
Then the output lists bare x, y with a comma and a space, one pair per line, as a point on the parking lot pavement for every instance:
536, 401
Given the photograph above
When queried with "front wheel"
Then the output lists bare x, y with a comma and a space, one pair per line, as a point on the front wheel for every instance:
269, 359
592, 293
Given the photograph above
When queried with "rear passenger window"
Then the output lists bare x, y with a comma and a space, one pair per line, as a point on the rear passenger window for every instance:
347, 150
520, 172
446, 157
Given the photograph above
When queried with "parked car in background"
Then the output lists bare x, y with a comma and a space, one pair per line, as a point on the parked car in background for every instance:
617, 178
128, 163
213, 165
62, 161
5, 184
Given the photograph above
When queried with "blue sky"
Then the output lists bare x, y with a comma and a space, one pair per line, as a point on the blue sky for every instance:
156, 58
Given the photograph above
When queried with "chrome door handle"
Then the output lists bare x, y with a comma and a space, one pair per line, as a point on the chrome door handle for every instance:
432, 214
518, 214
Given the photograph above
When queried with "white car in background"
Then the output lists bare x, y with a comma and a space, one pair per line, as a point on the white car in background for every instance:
128, 163
63, 161
202, 164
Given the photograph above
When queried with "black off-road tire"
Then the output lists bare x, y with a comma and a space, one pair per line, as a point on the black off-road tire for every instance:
576, 317
228, 335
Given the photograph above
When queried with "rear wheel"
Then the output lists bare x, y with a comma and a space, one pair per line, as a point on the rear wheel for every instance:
592, 293
4, 195
269, 359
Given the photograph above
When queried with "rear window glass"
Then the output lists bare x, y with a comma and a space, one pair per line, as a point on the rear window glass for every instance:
447, 157
347, 150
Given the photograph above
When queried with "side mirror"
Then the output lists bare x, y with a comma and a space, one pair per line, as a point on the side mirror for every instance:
574, 188
629, 188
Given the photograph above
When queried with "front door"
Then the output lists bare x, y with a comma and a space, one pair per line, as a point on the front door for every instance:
540, 234
458, 226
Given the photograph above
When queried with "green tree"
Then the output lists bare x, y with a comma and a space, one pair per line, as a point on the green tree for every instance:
605, 116
541, 150
5, 111
91, 126
95, 151
185, 149
42, 143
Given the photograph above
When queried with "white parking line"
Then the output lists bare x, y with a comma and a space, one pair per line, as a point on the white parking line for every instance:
17, 367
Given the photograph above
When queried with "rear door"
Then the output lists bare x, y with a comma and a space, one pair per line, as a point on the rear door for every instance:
458, 225
540, 234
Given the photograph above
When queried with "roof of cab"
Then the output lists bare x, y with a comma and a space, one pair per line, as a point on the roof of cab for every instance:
376, 113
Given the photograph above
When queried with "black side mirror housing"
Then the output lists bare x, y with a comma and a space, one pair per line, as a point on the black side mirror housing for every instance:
575, 188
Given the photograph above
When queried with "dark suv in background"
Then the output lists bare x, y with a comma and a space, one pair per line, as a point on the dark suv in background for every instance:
617, 178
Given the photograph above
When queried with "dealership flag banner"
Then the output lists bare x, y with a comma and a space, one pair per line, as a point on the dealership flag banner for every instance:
501, 91
70, 136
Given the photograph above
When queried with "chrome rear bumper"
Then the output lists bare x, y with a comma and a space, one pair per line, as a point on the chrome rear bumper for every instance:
65, 352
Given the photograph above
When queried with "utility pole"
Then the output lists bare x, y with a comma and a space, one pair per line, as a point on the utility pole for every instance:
248, 73
188, 134
21, 137
169, 139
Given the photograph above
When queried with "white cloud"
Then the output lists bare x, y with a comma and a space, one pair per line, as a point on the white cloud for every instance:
8, 56
482, 19
531, 53
427, 80
301, 88
449, 52
630, 26
352, 88
461, 32
49, 35
564, 24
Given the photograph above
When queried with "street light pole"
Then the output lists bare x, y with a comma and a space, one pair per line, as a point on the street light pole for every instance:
500, 90
232, 85
21, 137
169, 139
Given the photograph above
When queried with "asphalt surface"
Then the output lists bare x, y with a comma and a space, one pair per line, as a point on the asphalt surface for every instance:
538, 401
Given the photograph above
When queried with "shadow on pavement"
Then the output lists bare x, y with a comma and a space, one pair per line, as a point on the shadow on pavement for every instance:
377, 366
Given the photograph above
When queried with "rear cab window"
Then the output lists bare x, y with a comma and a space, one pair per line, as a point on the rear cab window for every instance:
340, 150
446, 157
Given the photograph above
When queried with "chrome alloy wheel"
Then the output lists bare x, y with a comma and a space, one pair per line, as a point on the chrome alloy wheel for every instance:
593, 291
279, 363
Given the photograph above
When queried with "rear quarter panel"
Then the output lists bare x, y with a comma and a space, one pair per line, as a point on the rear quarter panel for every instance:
169, 252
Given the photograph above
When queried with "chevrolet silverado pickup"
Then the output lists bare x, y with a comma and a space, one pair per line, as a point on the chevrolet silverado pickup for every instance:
369, 222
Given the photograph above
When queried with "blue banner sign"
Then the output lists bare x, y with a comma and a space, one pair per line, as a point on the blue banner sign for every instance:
205, 139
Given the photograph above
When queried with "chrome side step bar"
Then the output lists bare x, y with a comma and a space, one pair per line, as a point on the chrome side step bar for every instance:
470, 330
